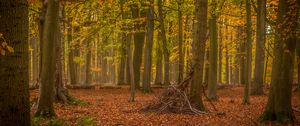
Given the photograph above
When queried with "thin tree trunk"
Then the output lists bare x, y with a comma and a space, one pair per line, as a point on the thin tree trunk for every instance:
180, 42
166, 52
131, 71
242, 56
257, 87
220, 55
213, 57
14, 71
246, 99
88, 73
72, 53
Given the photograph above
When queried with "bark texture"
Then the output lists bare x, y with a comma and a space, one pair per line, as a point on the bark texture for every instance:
14, 72
199, 38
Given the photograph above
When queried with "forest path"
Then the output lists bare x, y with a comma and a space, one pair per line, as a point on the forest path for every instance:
111, 107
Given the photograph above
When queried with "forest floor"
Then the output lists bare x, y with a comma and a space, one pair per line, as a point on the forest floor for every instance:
111, 107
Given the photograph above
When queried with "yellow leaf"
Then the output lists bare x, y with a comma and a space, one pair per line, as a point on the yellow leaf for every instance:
10, 49
4, 44
3, 52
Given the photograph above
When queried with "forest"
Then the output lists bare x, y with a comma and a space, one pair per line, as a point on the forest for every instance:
149, 62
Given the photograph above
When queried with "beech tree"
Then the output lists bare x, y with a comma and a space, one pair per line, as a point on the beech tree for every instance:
199, 38
279, 106
14, 72
45, 102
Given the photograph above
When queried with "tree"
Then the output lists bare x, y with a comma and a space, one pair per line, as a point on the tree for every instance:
199, 38
166, 52
298, 61
248, 65
131, 71
279, 107
14, 105
45, 103
148, 49
180, 41
158, 72
213, 55
139, 38
257, 87
72, 53
121, 76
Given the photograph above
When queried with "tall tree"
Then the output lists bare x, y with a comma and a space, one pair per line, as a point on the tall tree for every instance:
279, 106
121, 76
148, 48
166, 52
139, 38
246, 99
199, 38
14, 105
131, 71
257, 87
220, 55
180, 42
158, 72
213, 55
45, 103
72, 53
88, 72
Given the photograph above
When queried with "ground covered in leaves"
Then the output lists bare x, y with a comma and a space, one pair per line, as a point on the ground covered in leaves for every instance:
111, 107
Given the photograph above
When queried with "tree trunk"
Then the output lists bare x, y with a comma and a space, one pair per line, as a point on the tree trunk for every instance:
72, 52
180, 42
158, 72
279, 106
206, 67
45, 103
128, 46
35, 61
14, 105
121, 76
139, 38
60, 92
148, 49
213, 57
220, 55
199, 38
257, 87
88, 73
104, 67
131, 71
166, 52
246, 99
227, 58
298, 62
242, 56
41, 30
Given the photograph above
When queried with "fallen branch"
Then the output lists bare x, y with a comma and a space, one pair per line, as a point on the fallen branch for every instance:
174, 100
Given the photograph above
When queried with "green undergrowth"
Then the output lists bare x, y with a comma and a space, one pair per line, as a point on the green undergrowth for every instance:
76, 101
38, 121
86, 121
